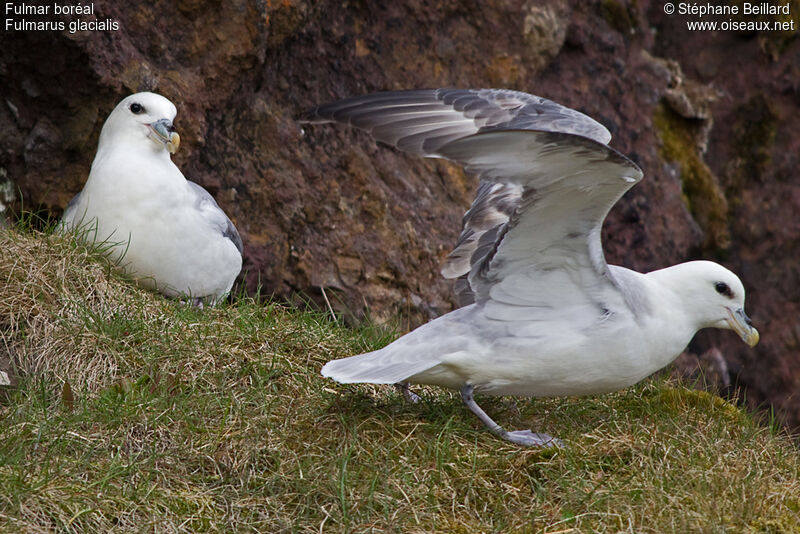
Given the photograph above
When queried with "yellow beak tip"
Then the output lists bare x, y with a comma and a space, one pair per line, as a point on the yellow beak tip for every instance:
753, 338
174, 143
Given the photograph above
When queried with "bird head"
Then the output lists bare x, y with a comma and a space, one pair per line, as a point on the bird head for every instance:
142, 119
717, 298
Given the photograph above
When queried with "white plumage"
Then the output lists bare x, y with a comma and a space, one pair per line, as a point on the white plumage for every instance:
548, 316
165, 231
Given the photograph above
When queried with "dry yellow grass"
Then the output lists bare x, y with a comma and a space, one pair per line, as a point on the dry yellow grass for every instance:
216, 420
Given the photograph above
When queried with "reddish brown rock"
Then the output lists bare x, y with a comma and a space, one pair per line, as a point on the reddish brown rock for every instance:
328, 208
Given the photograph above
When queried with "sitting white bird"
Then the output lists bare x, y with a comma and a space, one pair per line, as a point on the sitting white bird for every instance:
548, 316
165, 231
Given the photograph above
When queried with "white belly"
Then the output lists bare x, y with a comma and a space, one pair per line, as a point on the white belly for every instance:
556, 363
159, 237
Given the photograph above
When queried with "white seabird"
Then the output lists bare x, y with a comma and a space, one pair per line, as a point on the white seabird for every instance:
549, 316
165, 231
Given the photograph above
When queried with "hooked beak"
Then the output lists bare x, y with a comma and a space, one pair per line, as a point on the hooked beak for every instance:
740, 323
164, 132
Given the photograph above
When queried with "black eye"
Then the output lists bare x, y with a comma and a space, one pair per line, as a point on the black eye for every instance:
137, 108
723, 289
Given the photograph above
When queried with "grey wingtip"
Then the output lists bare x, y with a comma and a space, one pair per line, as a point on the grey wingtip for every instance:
231, 233
312, 116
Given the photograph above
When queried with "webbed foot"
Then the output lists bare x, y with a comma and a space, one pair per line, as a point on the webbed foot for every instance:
532, 439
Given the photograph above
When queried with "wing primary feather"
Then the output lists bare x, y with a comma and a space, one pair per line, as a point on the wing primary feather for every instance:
484, 108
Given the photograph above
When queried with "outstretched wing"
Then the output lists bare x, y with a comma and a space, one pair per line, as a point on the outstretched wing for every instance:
548, 257
422, 121
547, 182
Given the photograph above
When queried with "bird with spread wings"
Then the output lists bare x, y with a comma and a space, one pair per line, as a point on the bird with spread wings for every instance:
544, 314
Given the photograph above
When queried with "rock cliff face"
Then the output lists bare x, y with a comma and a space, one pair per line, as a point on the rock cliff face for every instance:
708, 116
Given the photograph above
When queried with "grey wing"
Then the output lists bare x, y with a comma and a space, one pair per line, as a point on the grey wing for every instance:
493, 205
206, 203
548, 258
422, 121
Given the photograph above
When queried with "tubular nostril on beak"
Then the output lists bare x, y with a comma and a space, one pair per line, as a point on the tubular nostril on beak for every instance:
166, 133
163, 128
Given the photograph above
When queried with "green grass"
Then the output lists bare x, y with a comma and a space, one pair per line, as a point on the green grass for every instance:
217, 420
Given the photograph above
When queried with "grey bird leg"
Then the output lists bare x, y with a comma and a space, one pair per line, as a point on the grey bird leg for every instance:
408, 395
520, 437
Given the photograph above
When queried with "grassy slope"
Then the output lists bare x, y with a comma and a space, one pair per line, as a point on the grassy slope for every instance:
186, 420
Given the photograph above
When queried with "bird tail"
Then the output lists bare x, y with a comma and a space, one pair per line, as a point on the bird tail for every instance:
375, 367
